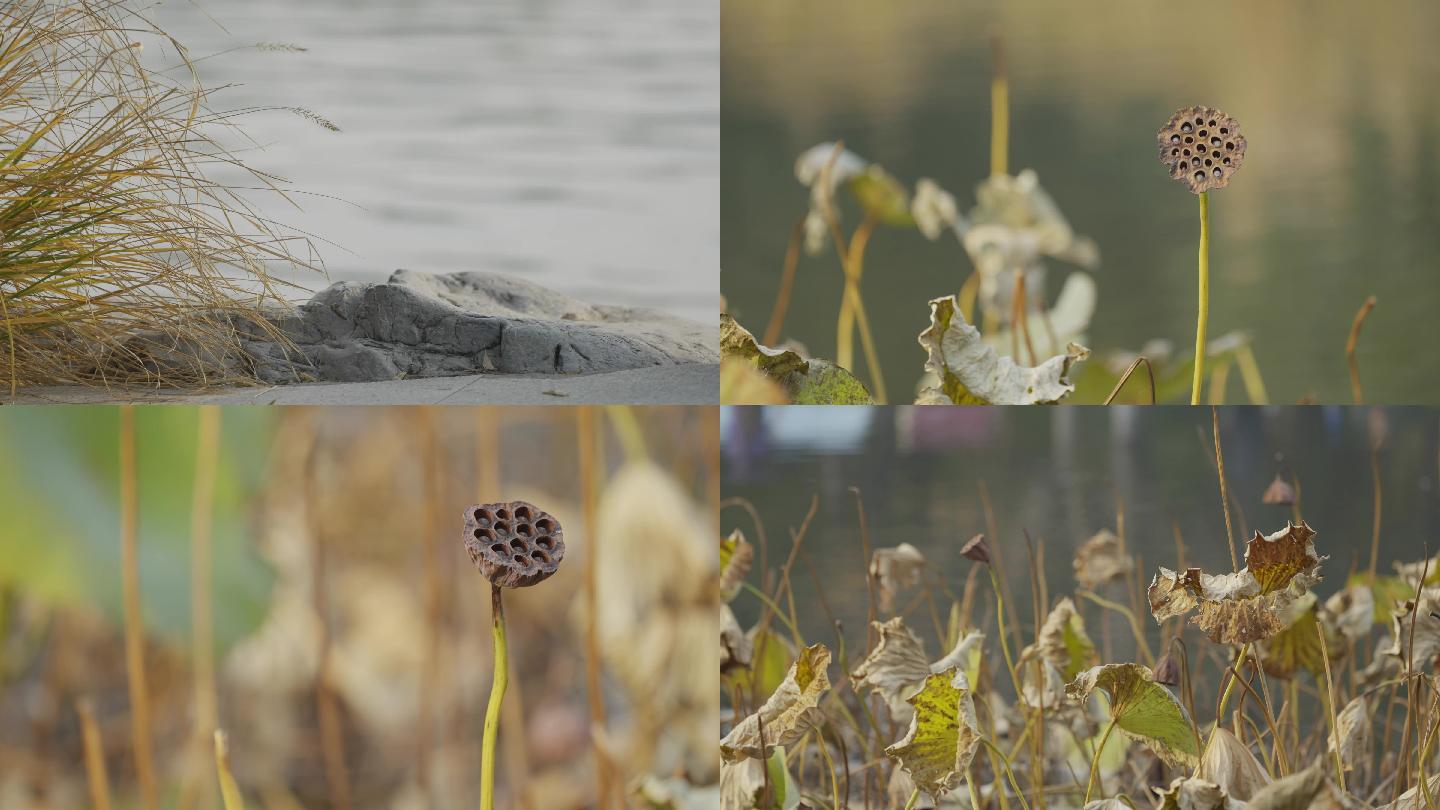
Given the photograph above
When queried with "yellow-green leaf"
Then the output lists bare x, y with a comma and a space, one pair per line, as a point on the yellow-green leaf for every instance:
943, 736
1143, 709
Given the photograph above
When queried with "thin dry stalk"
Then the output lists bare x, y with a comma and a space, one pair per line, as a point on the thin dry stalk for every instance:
1356, 391
99, 781
134, 619
590, 472
1224, 494
870, 611
202, 622
332, 736
787, 285
1124, 378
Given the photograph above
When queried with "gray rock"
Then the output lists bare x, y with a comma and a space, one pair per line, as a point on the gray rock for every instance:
422, 325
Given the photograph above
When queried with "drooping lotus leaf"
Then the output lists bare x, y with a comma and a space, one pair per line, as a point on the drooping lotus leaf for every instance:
968, 372
1063, 640
943, 736
966, 655
735, 649
1351, 738
896, 667
1230, 764
894, 568
736, 554
1196, 793
804, 381
1143, 709
1101, 559
1386, 592
1244, 606
1297, 647
772, 655
1294, 792
1414, 633
1349, 613
788, 715
742, 784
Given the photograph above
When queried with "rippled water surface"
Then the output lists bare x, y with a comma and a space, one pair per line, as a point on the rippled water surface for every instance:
1338, 199
572, 142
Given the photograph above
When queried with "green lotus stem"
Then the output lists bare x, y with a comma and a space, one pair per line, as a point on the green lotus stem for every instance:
1095, 760
1225, 696
1000, 616
914, 795
1203, 317
498, 683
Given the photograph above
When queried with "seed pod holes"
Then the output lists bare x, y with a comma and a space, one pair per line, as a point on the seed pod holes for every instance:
514, 544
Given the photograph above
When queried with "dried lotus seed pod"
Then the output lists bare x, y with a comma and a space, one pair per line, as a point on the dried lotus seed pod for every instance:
514, 544
1202, 147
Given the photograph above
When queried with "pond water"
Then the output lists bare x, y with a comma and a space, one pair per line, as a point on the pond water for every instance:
571, 142
1057, 473
1338, 199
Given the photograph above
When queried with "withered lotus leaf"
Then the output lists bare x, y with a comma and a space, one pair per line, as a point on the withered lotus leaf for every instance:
1101, 559
735, 647
966, 371
1063, 641
1296, 647
943, 735
1351, 738
1243, 606
788, 714
736, 554
896, 667
1196, 793
1414, 633
1229, 763
894, 568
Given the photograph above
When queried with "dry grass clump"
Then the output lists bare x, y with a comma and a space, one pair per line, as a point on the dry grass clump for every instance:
121, 260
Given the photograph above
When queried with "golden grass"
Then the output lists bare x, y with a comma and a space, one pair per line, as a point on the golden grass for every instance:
121, 260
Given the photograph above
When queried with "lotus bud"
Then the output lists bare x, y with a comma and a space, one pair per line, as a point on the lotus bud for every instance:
1167, 670
976, 549
1279, 493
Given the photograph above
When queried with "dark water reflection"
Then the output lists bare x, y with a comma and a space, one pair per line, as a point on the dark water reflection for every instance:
1058, 473
572, 142
1337, 200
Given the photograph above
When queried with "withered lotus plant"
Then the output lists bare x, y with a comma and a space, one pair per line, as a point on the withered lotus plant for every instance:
1203, 148
515, 545
1244, 606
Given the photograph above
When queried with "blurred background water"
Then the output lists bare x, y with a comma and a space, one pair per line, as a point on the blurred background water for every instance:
1059, 474
571, 142
1337, 200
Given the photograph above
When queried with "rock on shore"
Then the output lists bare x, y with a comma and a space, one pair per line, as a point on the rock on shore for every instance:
424, 325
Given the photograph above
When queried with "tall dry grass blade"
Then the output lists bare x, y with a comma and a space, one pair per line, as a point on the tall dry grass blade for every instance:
590, 471
98, 779
134, 620
202, 623
1356, 390
121, 260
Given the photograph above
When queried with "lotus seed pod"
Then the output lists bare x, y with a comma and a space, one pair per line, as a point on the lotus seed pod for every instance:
1202, 147
975, 549
514, 544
